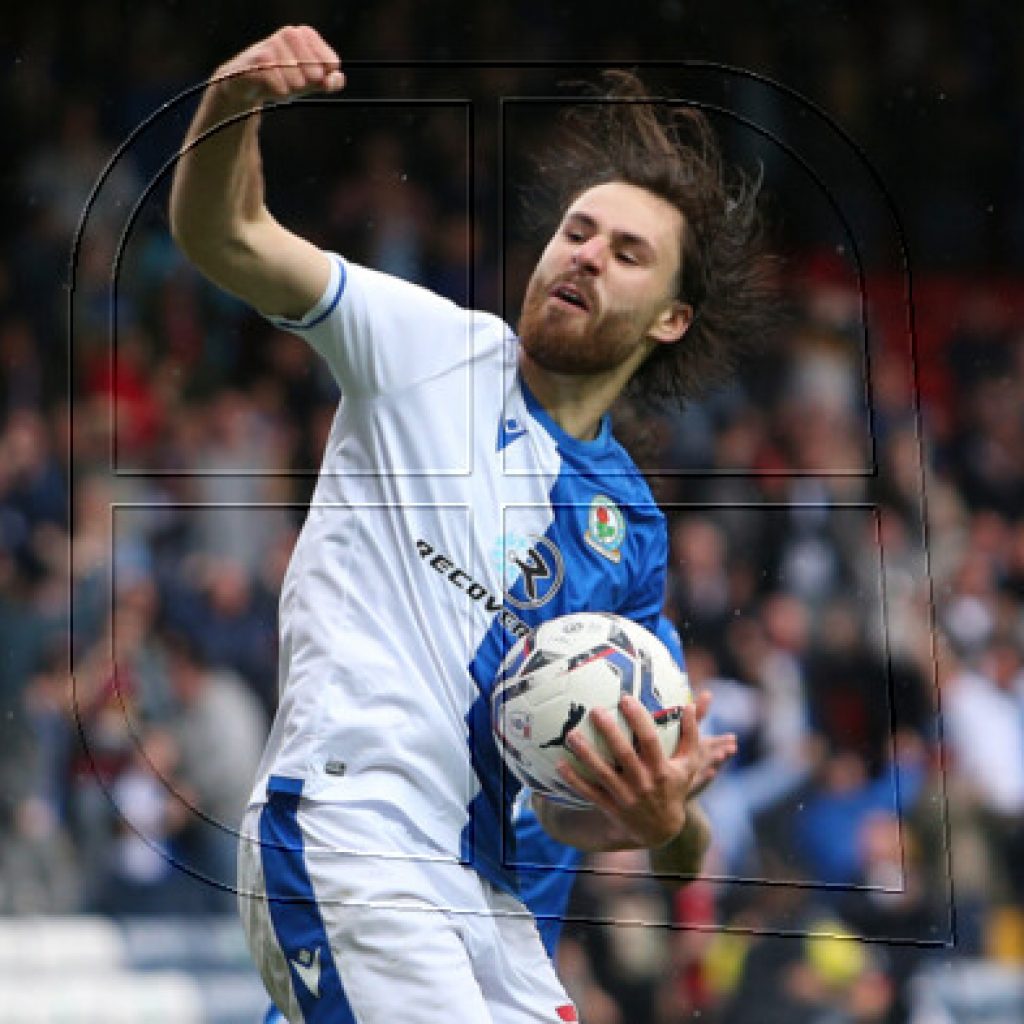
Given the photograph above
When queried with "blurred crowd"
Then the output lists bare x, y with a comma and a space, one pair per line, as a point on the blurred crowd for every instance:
847, 552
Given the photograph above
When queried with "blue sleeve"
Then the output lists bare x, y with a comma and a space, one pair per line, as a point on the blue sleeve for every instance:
648, 592
669, 636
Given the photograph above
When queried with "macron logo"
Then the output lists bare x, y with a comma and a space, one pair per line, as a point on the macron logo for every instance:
307, 967
509, 430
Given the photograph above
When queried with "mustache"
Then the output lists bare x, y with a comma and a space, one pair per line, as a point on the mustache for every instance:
577, 283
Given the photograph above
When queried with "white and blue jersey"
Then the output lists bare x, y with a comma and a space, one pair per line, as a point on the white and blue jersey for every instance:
451, 515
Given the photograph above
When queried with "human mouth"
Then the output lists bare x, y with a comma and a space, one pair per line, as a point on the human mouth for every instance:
570, 295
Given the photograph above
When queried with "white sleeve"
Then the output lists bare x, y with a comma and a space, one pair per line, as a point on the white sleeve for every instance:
379, 333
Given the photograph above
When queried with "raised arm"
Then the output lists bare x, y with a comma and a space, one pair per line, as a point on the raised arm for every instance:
217, 210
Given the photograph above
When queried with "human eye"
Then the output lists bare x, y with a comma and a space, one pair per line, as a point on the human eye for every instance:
628, 257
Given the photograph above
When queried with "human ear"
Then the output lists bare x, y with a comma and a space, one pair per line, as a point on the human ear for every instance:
671, 323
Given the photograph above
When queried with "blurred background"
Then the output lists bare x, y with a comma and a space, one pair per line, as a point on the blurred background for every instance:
846, 517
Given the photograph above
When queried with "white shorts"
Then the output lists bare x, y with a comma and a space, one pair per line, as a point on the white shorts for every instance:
387, 937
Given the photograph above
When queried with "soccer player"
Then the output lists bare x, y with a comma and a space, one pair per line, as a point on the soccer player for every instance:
470, 489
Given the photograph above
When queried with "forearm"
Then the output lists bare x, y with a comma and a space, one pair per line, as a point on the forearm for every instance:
588, 829
676, 862
218, 216
217, 190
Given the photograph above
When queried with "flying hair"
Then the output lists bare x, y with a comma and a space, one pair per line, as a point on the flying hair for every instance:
670, 149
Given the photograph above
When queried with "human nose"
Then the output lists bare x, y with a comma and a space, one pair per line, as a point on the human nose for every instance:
589, 255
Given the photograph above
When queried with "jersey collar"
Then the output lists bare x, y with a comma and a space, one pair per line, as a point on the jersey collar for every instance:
565, 441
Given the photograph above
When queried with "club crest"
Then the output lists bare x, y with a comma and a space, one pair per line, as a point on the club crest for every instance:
606, 527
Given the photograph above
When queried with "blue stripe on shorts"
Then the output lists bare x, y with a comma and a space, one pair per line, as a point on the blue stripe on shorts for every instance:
295, 913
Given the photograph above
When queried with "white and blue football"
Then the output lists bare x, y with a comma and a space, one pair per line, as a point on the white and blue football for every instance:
553, 677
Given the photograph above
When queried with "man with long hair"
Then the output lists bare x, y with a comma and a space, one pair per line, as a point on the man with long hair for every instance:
377, 865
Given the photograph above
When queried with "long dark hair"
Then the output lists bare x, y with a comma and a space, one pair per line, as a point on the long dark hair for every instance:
623, 134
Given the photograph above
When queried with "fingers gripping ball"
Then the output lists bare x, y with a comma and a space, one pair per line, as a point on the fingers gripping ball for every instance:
552, 678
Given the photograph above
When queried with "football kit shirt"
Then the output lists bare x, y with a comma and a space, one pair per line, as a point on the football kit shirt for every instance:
450, 516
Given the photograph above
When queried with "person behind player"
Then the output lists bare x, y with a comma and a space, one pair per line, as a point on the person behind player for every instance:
470, 489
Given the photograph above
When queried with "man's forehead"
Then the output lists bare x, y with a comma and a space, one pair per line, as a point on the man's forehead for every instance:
617, 206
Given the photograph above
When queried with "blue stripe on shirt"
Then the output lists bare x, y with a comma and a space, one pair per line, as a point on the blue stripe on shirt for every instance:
301, 325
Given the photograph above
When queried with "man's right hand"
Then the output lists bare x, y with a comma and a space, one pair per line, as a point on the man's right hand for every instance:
292, 61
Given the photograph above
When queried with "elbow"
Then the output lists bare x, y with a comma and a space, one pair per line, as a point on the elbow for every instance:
196, 250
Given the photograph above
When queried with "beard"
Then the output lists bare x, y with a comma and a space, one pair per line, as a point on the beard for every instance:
574, 342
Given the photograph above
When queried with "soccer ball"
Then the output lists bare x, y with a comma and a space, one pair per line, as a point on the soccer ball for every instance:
551, 679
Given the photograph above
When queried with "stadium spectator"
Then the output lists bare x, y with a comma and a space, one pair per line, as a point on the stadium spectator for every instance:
770, 766
984, 713
142, 870
845, 796
218, 728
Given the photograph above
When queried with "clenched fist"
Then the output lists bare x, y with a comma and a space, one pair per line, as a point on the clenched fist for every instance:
292, 61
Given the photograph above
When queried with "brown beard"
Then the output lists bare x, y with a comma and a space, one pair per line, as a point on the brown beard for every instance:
557, 340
